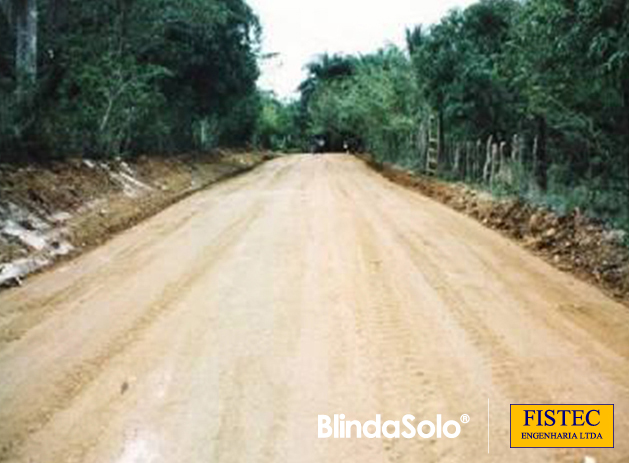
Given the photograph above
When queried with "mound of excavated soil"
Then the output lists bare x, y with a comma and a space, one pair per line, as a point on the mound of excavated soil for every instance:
59, 209
572, 242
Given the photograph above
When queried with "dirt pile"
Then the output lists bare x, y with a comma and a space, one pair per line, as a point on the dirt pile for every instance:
572, 242
59, 209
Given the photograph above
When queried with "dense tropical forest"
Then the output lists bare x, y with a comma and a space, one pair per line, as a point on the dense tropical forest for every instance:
526, 97
107, 77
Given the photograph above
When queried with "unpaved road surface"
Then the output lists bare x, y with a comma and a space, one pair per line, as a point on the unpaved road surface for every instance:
218, 330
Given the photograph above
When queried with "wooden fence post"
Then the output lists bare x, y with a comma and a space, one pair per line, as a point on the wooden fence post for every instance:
535, 147
457, 159
434, 148
516, 150
478, 160
541, 175
488, 160
506, 164
495, 153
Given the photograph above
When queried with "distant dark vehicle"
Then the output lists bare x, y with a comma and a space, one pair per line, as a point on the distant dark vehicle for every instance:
318, 146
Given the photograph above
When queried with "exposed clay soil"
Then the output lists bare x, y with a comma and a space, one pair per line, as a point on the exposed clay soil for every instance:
573, 242
219, 329
55, 210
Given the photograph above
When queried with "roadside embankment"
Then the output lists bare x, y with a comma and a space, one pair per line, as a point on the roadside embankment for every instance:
572, 242
59, 209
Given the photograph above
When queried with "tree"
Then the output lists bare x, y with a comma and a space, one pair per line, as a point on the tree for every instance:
366, 102
457, 67
22, 14
126, 76
554, 72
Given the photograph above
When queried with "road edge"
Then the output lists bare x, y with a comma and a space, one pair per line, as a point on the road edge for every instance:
615, 286
146, 212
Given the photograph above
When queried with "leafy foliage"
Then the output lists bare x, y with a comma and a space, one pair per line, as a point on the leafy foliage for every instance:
277, 127
360, 102
123, 76
552, 70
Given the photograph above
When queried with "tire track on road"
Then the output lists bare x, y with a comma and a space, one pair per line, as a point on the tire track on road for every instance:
15, 429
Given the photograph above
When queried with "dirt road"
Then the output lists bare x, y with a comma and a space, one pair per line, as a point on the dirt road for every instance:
219, 329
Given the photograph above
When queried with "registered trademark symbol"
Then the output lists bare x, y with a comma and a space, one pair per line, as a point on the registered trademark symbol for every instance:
465, 419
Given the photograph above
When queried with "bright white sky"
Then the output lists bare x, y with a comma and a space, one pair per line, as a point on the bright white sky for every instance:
301, 29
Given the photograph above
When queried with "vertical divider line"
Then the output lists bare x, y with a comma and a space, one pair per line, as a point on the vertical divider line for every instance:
488, 425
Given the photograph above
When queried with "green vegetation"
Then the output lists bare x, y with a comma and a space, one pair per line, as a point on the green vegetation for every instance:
126, 76
278, 127
553, 72
368, 103
538, 87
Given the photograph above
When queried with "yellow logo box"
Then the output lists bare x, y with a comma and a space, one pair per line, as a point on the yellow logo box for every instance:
562, 426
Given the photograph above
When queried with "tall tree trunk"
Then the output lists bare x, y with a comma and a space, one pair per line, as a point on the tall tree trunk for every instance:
25, 14
441, 139
541, 166
7, 8
626, 116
